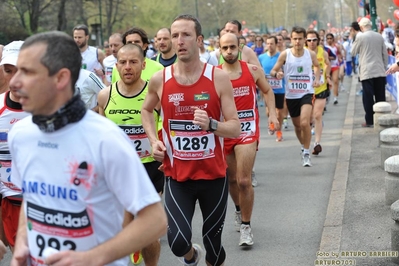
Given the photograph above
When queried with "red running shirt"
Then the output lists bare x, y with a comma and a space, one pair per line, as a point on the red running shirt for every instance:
244, 90
191, 153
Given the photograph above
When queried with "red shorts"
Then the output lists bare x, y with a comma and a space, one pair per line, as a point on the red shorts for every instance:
334, 68
229, 144
10, 215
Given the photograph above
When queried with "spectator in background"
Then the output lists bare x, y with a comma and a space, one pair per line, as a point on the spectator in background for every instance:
354, 31
348, 57
373, 58
389, 36
395, 67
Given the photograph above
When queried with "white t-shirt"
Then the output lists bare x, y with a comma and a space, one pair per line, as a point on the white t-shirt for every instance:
109, 63
348, 47
90, 59
207, 57
76, 183
298, 75
89, 85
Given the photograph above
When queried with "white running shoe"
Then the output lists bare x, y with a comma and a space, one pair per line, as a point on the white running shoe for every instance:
306, 160
246, 238
238, 220
198, 253
285, 123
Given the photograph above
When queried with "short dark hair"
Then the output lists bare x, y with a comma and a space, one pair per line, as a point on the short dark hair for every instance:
274, 38
135, 30
61, 52
367, 8
197, 24
241, 38
355, 26
330, 34
82, 27
298, 30
235, 22
131, 46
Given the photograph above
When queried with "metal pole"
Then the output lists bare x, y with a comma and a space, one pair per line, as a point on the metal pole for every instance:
373, 15
101, 24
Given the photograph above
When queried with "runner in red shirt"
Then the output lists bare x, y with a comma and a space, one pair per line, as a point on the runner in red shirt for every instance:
241, 151
198, 111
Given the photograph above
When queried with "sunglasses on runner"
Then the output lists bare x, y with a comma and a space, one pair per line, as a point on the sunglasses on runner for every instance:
311, 40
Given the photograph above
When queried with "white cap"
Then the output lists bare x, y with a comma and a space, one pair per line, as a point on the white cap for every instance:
364, 22
10, 53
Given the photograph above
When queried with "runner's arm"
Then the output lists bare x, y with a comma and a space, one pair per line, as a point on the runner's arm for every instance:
102, 99
21, 250
327, 69
277, 69
249, 56
264, 86
100, 57
316, 66
230, 127
151, 102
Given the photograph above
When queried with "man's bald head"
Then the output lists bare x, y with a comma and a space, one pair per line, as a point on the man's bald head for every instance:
131, 47
228, 37
229, 48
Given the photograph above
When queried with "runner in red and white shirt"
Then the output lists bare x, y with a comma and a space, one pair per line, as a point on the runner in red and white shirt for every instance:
241, 151
335, 61
10, 113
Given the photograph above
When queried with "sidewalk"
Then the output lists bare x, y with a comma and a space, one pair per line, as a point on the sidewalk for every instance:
357, 218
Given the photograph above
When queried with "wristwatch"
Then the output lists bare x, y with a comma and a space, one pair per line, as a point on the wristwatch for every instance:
213, 124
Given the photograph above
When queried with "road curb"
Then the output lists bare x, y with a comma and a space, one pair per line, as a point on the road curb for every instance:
332, 229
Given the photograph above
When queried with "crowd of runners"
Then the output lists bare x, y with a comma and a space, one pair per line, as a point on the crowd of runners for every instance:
78, 190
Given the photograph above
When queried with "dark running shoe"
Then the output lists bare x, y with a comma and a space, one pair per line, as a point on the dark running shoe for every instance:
317, 149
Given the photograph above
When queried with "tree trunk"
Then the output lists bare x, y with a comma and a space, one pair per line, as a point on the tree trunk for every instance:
62, 20
34, 14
